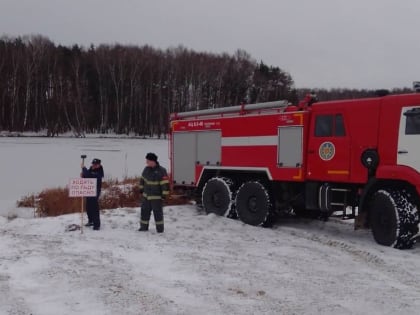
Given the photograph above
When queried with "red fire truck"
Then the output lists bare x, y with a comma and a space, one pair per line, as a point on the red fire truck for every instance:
361, 157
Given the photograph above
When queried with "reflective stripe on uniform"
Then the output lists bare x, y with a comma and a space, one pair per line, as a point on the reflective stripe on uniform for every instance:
147, 182
159, 222
153, 197
144, 222
165, 181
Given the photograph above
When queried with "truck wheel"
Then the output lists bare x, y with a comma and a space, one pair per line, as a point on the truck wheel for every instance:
394, 219
217, 195
253, 203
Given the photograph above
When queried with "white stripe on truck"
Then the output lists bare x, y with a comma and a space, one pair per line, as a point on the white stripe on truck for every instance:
249, 141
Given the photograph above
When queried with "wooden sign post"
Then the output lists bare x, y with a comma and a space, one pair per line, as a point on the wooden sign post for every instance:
82, 187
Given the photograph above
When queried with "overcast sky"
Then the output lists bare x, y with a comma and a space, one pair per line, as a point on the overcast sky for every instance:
321, 43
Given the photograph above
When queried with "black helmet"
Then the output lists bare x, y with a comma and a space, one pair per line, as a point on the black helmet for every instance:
151, 157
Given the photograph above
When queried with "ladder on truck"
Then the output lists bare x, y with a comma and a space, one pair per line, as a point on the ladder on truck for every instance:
276, 106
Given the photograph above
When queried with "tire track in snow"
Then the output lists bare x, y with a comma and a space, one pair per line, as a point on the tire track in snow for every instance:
331, 237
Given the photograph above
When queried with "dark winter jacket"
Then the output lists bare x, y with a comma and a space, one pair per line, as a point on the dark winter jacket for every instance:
94, 173
154, 183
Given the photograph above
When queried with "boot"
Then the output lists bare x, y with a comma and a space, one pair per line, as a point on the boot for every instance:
143, 227
159, 228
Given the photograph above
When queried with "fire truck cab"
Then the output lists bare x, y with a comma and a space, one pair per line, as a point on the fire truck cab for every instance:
253, 161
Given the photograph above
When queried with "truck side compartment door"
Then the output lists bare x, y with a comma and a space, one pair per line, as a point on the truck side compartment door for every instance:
290, 146
194, 148
184, 157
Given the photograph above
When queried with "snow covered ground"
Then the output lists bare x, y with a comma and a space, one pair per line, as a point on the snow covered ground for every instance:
202, 264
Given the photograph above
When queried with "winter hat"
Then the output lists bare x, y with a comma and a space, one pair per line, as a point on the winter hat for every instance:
151, 157
96, 161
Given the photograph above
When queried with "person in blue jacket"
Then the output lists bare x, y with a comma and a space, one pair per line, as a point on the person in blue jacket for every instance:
92, 203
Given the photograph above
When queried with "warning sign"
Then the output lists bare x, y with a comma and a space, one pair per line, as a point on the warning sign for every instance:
82, 187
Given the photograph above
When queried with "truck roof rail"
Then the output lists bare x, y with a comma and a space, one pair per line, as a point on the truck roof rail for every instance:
282, 104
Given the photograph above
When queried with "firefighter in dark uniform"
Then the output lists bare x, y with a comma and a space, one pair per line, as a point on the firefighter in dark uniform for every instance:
92, 203
154, 185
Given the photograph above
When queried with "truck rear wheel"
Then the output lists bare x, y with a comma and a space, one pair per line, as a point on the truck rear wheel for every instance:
253, 203
394, 219
217, 195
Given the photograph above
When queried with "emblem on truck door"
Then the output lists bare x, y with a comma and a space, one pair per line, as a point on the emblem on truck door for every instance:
326, 151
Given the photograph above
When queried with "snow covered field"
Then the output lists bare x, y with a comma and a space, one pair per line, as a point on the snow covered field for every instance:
202, 264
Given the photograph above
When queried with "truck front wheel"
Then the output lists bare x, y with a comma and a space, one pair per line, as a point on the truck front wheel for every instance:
217, 195
253, 203
394, 219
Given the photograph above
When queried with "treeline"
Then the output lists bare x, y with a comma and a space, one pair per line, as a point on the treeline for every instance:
123, 89
129, 89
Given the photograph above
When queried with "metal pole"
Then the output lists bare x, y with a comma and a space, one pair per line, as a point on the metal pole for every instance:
83, 156
81, 216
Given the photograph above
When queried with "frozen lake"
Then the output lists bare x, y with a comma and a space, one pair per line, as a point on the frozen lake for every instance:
30, 164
